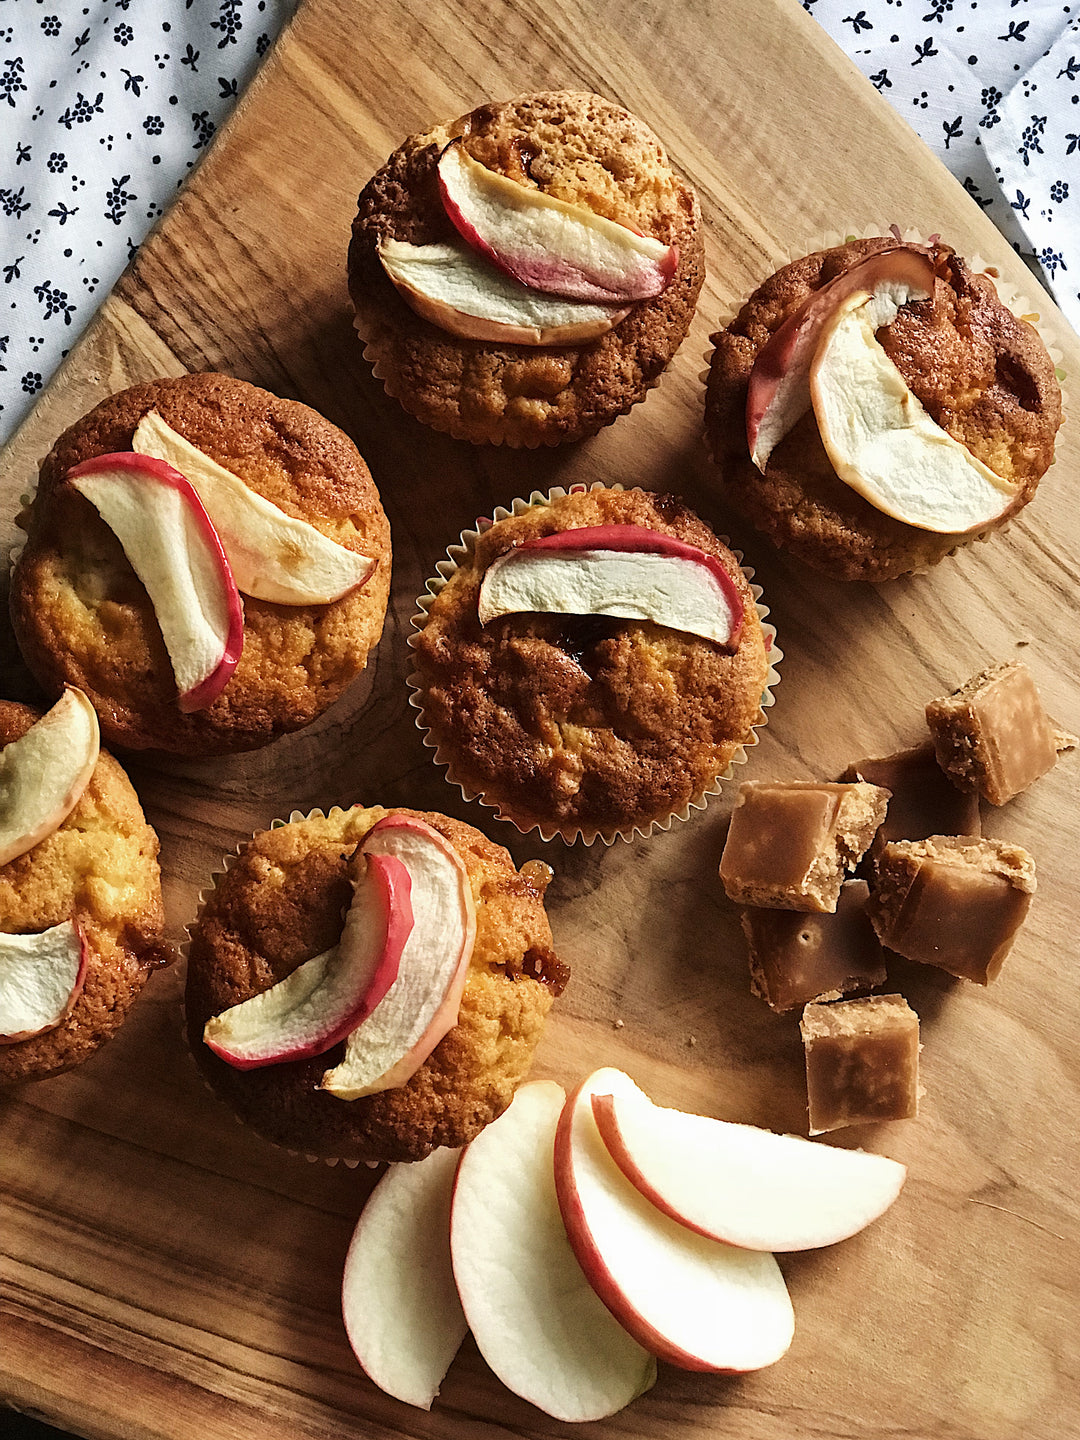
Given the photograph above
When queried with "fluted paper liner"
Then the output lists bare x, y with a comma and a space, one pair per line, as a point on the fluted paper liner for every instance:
572, 833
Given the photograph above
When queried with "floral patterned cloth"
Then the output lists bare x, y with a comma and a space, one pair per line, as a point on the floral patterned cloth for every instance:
106, 105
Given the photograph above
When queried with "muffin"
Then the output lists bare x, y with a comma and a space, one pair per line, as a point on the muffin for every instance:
982, 375
281, 903
587, 725
83, 617
576, 148
100, 869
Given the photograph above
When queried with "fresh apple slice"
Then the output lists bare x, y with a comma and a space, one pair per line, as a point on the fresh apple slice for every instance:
882, 442
621, 570
398, 1298
41, 977
460, 292
329, 995
546, 243
423, 1002
696, 1302
274, 556
532, 1312
44, 773
746, 1186
175, 551
779, 390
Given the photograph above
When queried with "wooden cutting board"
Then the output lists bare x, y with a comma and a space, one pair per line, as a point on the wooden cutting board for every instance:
166, 1274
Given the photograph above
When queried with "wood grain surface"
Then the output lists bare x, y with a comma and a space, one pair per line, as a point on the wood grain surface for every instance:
168, 1275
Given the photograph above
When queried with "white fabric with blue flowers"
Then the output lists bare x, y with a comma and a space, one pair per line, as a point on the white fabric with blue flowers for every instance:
105, 105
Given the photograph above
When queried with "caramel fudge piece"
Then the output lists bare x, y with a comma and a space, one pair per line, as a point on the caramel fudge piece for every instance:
862, 1061
790, 843
993, 735
797, 957
922, 801
953, 901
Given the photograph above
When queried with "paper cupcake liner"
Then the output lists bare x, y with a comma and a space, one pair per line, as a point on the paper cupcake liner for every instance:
1014, 299
228, 861
571, 834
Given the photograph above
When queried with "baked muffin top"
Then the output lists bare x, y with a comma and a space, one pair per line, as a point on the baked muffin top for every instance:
282, 902
982, 374
100, 868
82, 616
586, 722
576, 147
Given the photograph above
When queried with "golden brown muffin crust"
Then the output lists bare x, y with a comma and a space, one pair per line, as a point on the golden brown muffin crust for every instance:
83, 618
100, 868
583, 720
282, 903
983, 375
581, 149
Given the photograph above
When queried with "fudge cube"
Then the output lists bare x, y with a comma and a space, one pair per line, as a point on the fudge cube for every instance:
789, 843
993, 735
798, 956
953, 901
862, 1061
923, 802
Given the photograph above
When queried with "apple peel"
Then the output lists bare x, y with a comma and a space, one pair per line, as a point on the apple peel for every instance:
693, 1301
44, 773
422, 1005
546, 243
742, 1185
398, 1298
778, 394
626, 571
883, 443
322, 1000
175, 551
454, 288
41, 977
533, 1314
274, 556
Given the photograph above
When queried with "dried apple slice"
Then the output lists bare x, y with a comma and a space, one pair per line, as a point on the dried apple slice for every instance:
329, 995
44, 773
880, 439
627, 571
546, 243
423, 1003
175, 551
742, 1185
41, 977
779, 389
456, 289
273, 556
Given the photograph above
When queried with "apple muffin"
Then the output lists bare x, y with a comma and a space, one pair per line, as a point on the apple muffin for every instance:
598, 692
98, 868
280, 905
875, 406
522, 275
294, 577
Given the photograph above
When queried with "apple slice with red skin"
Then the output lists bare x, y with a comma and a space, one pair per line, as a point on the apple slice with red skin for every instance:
742, 1185
176, 553
398, 1298
456, 289
533, 1314
420, 1007
549, 244
779, 388
628, 571
321, 1001
41, 977
273, 556
44, 773
690, 1300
